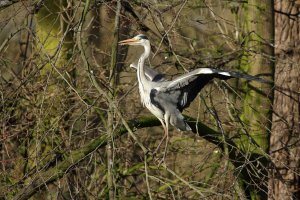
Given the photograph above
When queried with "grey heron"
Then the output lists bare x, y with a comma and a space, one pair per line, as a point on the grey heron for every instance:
167, 99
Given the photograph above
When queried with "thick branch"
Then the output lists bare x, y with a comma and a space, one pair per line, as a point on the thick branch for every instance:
71, 159
247, 164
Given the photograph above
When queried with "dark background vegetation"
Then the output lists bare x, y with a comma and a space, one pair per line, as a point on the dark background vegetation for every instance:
72, 125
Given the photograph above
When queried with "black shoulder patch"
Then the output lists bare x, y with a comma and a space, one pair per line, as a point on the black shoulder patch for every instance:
153, 94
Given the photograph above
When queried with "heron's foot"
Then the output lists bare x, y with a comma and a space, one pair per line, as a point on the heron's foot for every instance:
161, 160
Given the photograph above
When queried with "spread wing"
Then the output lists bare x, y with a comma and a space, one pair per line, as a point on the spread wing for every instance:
184, 89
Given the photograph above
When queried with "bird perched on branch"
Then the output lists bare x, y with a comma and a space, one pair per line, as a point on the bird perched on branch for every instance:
167, 99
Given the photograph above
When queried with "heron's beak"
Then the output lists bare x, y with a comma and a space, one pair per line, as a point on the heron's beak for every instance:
128, 42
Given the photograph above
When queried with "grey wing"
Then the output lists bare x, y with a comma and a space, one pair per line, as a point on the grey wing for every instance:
185, 88
185, 79
167, 103
150, 73
190, 84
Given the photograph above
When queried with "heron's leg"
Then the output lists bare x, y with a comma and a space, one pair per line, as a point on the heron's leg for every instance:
167, 116
167, 140
165, 134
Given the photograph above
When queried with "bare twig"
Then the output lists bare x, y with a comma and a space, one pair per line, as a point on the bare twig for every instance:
110, 114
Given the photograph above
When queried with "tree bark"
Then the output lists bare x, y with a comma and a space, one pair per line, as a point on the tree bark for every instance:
259, 27
284, 141
257, 23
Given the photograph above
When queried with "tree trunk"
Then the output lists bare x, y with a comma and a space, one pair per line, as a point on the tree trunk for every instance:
285, 182
258, 34
259, 27
49, 96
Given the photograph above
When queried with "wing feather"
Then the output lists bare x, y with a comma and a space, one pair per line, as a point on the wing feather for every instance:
211, 73
184, 89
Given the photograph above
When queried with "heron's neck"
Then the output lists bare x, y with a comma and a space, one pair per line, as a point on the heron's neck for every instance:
140, 69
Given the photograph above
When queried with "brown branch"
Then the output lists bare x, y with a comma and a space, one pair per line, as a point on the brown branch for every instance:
247, 165
52, 174
110, 113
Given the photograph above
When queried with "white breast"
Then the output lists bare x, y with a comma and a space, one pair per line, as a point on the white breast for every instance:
146, 101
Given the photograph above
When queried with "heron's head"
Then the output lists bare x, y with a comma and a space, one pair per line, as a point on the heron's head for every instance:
140, 40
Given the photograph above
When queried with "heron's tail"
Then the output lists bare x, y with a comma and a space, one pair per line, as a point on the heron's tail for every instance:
177, 120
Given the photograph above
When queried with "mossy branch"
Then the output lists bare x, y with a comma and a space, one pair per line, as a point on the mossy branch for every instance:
246, 164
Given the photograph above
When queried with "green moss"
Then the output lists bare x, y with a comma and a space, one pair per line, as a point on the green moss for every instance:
255, 109
48, 26
50, 30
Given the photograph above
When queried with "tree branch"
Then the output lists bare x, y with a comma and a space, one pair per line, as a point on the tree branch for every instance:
246, 164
